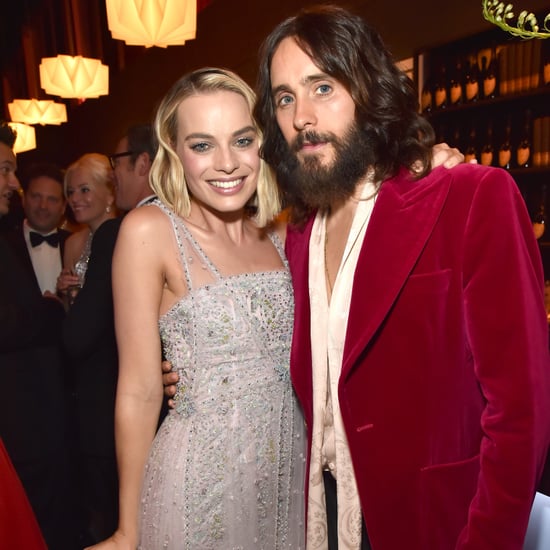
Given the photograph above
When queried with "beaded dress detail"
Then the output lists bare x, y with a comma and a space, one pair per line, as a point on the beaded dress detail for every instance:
226, 469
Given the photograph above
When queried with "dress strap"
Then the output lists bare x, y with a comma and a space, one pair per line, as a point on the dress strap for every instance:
176, 226
276, 240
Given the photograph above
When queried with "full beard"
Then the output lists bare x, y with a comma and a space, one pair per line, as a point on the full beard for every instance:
317, 186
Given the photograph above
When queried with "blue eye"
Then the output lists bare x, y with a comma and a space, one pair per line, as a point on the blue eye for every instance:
200, 147
245, 142
285, 100
324, 89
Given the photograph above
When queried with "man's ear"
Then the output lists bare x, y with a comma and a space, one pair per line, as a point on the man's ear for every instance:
143, 164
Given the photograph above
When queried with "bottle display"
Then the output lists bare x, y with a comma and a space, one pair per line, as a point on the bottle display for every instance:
496, 109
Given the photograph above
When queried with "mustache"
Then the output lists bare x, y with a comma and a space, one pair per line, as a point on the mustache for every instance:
311, 138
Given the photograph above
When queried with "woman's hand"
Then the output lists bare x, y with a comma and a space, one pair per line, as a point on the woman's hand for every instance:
169, 381
118, 541
66, 279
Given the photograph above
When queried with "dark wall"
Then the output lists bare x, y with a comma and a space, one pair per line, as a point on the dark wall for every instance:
229, 34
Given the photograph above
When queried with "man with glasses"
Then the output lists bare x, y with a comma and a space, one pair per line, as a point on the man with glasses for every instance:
131, 163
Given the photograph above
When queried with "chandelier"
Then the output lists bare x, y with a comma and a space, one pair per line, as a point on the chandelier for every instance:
152, 22
26, 137
74, 76
526, 26
35, 111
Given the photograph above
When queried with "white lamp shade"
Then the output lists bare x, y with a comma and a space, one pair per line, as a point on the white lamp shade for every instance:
26, 137
35, 111
152, 22
74, 76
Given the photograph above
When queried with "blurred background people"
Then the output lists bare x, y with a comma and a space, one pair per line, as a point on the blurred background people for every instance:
90, 193
32, 411
18, 526
39, 241
89, 341
131, 164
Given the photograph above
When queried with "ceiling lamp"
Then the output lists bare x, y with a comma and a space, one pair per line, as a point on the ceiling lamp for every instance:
26, 137
152, 22
74, 76
34, 111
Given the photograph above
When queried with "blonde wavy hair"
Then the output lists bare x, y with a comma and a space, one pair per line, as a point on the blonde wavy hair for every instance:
167, 176
98, 167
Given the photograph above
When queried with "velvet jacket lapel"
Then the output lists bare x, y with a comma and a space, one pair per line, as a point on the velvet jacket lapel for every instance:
402, 221
403, 218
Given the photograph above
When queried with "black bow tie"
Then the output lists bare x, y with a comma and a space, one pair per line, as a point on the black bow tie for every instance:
36, 238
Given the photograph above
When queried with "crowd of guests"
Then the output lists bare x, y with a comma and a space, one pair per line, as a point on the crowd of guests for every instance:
353, 380
59, 357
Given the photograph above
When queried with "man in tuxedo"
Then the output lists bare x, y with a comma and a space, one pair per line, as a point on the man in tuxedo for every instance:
32, 412
131, 164
38, 241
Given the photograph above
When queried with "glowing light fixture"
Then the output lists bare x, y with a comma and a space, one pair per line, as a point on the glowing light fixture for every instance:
74, 76
152, 22
35, 111
26, 137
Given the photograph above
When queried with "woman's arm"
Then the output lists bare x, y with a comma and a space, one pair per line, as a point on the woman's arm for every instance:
138, 279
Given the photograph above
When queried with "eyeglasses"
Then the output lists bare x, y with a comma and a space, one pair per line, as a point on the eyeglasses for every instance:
113, 158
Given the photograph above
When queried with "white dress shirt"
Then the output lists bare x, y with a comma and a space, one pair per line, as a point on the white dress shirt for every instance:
46, 260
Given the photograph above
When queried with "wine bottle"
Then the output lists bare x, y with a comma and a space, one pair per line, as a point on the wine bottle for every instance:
440, 90
470, 151
471, 80
487, 150
546, 64
523, 152
426, 97
456, 91
490, 76
539, 219
505, 149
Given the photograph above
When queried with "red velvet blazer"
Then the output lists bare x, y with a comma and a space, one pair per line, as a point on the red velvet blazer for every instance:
445, 384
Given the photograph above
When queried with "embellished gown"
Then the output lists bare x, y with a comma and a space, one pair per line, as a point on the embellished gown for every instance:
226, 469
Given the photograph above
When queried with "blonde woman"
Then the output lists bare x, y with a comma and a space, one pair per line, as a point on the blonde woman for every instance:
90, 344
89, 191
226, 467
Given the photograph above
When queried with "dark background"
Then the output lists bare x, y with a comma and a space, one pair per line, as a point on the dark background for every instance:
229, 34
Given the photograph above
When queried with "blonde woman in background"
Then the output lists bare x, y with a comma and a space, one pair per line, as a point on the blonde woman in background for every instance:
90, 194
90, 344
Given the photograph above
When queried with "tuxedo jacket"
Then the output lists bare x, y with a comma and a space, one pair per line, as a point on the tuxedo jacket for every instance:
31, 378
16, 238
90, 344
445, 382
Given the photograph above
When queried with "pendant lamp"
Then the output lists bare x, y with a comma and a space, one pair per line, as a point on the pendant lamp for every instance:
74, 76
26, 137
152, 22
35, 111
